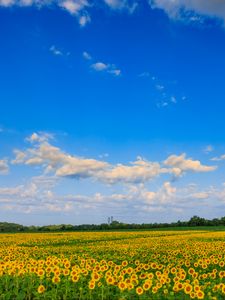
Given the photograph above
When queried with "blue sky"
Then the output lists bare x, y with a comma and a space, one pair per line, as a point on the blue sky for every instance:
111, 107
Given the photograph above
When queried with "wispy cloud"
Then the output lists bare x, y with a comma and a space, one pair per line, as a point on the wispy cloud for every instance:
129, 6
164, 95
164, 91
100, 66
103, 155
144, 74
56, 51
4, 167
218, 158
86, 55
108, 68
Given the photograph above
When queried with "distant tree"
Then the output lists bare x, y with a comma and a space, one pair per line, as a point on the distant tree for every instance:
196, 221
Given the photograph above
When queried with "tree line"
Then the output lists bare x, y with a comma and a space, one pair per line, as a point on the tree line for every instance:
195, 221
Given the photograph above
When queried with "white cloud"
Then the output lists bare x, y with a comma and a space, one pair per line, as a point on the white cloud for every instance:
166, 194
27, 2
173, 99
55, 51
35, 195
56, 161
139, 171
76, 8
163, 195
7, 3
40, 137
20, 157
99, 66
4, 168
129, 187
78, 167
39, 195
160, 87
201, 195
86, 55
115, 72
84, 19
181, 164
103, 155
144, 74
115, 4
109, 68
129, 6
191, 9
221, 157
165, 92
6, 191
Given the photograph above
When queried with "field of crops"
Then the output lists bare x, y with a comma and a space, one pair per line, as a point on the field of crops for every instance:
113, 265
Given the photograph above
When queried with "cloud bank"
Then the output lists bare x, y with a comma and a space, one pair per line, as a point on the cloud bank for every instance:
138, 188
54, 160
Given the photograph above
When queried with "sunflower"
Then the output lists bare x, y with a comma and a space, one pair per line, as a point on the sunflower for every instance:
147, 285
55, 279
75, 278
41, 289
188, 289
124, 263
122, 285
223, 289
139, 290
66, 272
200, 295
91, 284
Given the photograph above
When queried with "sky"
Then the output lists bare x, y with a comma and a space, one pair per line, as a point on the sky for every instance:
111, 108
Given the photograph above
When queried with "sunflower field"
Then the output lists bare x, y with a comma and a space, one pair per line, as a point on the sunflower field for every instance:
113, 265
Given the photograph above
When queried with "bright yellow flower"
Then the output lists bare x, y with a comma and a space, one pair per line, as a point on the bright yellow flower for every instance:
41, 289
